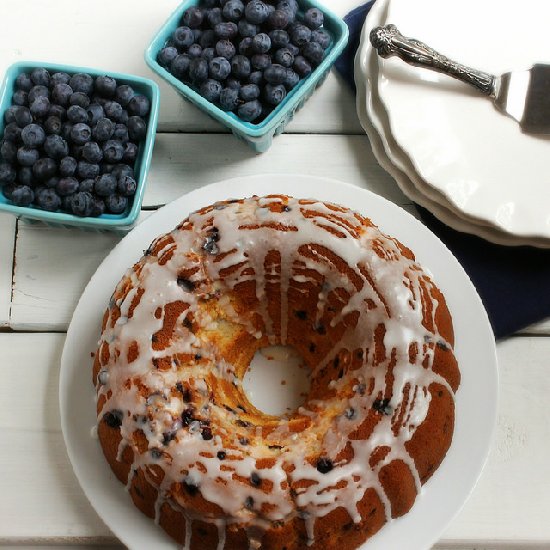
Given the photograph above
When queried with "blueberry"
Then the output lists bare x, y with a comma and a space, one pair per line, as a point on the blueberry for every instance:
250, 111
137, 128
284, 57
47, 199
33, 135
313, 18
130, 152
98, 207
52, 125
81, 133
210, 89
208, 54
76, 151
121, 133
274, 94
207, 39
56, 147
38, 91
82, 82
226, 30
180, 65
294, 50
229, 99
22, 195
313, 52
214, 16
198, 70
66, 128
113, 151
322, 37
240, 66
139, 105
23, 116
302, 66
25, 176
166, 56
256, 12
123, 94
40, 76
247, 29
105, 185
7, 173
256, 77
9, 114
77, 114
261, 61
95, 112
197, 33
248, 92
292, 78
192, 17
219, 68
59, 78
7, 190
67, 186
127, 186
324, 465
261, 43
27, 156
245, 46
103, 130
87, 170
51, 183
275, 74
80, 99
233, 10
105, 86
122, 170
300, 34
194, 50
67, 166
20, 97
57, 111
232, 82
12, 132
116, 204
113, 109
81, 205
87, 185
23, 82
278, 19
8, 151
183, 37
124, 117
44, 168
40, 107
91, 152
290, 6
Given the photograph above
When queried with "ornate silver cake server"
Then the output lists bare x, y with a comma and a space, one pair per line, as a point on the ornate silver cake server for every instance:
522, 95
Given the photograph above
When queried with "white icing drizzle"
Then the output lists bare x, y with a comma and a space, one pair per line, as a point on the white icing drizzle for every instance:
380, 287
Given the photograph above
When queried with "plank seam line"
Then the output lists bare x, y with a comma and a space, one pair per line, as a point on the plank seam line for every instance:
13, 261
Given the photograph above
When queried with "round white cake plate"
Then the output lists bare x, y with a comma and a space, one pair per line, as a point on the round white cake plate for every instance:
458, 143
476, 401
374, 121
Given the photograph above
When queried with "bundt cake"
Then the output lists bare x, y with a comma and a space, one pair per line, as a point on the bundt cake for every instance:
181, 329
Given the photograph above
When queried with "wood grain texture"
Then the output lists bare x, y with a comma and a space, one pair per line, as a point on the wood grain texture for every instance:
41, 499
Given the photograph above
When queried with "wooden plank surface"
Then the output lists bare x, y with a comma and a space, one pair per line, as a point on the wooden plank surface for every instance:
41, 499
7, 241
113, 36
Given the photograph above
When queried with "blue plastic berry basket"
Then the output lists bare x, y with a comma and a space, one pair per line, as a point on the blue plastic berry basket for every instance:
143, 86
258, 136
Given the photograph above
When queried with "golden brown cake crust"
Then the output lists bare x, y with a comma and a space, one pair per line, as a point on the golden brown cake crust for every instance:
180, 331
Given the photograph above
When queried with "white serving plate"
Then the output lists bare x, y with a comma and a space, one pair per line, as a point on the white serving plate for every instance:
476, 401
374, 121
458, 143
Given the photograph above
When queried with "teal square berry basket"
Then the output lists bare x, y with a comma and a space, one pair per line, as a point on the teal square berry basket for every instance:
123, 221
258, 136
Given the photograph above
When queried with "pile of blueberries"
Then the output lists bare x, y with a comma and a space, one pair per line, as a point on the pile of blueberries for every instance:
245, 55
70, 143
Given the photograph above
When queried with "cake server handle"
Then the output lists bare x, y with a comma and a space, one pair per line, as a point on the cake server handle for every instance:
388, 41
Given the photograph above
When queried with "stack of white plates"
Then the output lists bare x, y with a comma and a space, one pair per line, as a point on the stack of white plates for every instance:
445, 144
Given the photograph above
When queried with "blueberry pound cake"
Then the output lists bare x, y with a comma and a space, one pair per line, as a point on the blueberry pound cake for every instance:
181, 329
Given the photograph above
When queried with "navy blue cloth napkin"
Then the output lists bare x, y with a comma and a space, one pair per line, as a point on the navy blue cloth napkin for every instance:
513, 282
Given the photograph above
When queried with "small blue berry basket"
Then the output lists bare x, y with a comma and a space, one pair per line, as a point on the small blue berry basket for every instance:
258, 136
105, 222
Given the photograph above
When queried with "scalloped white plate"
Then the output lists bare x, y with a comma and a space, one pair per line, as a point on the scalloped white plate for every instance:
458, 143
476, 401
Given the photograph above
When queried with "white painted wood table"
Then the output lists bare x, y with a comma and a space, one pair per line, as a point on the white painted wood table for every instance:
43, 272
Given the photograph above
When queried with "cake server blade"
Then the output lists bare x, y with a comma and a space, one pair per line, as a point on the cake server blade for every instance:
523, 95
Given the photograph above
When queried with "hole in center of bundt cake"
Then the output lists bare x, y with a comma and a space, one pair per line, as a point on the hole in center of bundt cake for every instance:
277, 380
